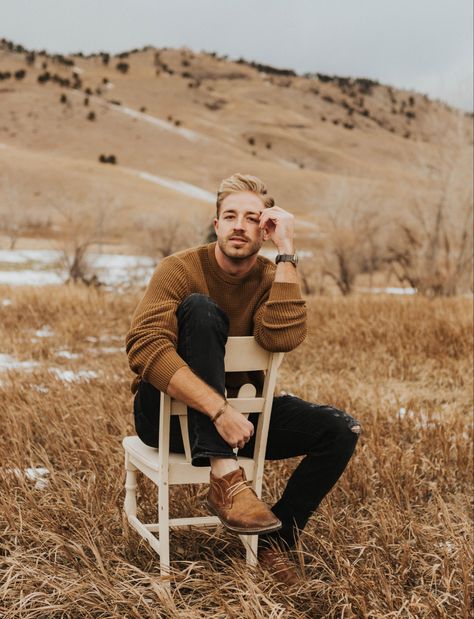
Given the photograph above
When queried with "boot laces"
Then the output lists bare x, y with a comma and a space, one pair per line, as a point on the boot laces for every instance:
239, 486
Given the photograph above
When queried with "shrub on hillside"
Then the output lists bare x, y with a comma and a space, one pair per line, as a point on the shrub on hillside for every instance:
112, 159
123, 67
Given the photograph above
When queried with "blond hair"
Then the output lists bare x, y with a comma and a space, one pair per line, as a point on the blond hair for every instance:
243, 182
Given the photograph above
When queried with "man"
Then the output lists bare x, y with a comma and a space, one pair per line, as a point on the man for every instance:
176, 344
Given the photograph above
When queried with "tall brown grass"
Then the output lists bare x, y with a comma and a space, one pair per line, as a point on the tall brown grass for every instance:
393, 539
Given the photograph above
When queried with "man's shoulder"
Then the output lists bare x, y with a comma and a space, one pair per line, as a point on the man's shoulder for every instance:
187, 256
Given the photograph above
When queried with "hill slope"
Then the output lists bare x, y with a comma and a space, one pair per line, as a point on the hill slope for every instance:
171, 116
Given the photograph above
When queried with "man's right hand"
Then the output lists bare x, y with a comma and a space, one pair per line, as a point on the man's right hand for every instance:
234, 427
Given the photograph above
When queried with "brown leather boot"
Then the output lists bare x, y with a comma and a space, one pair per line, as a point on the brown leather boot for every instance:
238, 507
279, 565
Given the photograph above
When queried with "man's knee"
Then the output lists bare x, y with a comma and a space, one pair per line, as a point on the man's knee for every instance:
343, 425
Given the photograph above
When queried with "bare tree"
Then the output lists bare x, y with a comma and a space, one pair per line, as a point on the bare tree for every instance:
14, 218
84, 225
162, 235
353, 240
432, 248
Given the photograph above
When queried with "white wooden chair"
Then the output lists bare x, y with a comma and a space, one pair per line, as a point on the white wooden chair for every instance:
165, 469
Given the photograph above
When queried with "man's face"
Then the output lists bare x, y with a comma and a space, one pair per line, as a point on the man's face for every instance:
238, 234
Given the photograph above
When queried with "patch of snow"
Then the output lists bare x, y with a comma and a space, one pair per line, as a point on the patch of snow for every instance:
389, 290
36, 474
7, 362
40, 388
45, 331
17, 256
112, 338
68, 376
91, 338
6, 302
288, 164
180, 186
108, 350
422, 419
109, 86
112, 269
188, 134
30, 278
66, 354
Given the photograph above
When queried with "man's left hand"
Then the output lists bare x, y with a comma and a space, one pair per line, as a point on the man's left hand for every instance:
278, 226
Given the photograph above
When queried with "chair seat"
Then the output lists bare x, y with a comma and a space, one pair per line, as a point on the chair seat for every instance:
179, 469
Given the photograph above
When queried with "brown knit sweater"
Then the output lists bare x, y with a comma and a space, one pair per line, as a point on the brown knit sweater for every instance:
273, 312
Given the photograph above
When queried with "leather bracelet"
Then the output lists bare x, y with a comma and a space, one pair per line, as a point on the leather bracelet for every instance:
219, 412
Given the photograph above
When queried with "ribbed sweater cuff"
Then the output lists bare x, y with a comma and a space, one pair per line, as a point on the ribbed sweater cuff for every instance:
162, 371
284, 291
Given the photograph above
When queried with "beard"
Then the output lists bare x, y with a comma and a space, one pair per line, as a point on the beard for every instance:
236, 251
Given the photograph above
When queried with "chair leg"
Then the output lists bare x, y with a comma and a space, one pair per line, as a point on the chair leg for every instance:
250, 543
164, 532
130, 502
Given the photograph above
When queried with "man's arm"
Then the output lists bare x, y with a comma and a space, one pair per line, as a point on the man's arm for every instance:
280, 319
152, 339
187, 387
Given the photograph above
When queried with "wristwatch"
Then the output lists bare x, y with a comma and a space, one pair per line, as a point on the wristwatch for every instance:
293, 258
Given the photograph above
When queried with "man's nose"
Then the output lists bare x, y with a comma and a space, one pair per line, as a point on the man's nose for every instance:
239, 223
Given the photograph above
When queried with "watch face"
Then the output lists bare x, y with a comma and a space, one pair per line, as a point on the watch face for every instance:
293, 258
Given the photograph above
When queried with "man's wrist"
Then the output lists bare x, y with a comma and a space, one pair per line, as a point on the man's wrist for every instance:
286, 249
220, 412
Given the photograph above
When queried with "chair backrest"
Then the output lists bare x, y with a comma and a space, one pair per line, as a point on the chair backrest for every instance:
242, 354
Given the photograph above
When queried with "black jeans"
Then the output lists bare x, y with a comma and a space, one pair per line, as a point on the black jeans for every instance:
297, 428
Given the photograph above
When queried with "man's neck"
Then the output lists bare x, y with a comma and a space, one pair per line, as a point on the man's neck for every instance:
234, 267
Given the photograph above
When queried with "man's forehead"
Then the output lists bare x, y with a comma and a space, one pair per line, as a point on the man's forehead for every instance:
243, 201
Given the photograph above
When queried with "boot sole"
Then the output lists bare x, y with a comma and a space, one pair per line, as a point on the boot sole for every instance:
243, 531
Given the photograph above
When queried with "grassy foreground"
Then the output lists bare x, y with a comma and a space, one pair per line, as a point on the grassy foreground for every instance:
392, 540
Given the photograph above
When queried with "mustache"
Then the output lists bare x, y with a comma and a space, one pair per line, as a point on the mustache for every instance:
237, 236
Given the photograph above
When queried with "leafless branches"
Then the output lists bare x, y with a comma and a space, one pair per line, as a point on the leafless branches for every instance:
164, 234
84, 224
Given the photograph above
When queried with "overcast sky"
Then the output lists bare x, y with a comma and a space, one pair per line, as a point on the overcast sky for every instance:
425, 45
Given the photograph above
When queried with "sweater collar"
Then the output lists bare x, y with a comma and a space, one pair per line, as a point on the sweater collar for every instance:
226, 277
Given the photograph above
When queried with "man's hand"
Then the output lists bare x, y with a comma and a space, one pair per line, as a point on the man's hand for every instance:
278, 226
234, 428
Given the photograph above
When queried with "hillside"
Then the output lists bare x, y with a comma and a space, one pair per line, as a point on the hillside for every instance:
170, 116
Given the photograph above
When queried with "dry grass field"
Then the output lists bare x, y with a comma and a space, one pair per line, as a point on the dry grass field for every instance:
392, 540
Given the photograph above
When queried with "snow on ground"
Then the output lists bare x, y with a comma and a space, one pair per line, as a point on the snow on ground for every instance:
180, 186
389, 290
112, 269
7, 362
45, 331
188, 134
69, 376
37, 474
18, 256
66, 354
30, 278
288, 164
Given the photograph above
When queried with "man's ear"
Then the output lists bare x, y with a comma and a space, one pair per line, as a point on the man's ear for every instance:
216, 224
